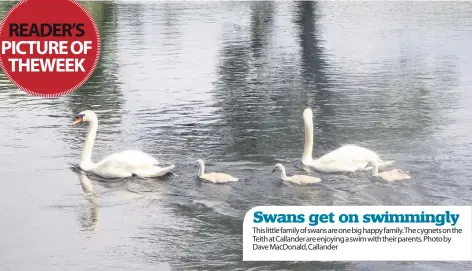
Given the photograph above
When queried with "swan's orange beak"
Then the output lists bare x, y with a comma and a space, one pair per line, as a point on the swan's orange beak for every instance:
77, 120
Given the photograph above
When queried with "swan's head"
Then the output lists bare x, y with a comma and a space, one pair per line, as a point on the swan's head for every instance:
85, 116
278, 167
307, 114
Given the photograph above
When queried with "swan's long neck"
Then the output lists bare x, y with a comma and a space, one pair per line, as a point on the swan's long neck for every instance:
86, 157
201, 169
308, 151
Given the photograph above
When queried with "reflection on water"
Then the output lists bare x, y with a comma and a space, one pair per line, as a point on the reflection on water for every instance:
227, 82
89, 222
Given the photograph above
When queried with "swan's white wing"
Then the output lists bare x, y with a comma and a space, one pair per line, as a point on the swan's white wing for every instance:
348, 158
153, 171
125, 164
133, 158
350, 153
337, 166
112, 168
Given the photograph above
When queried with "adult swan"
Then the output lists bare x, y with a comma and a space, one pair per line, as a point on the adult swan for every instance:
348, 158
118, 165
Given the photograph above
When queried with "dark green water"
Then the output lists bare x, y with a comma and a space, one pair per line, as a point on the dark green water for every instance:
227, 82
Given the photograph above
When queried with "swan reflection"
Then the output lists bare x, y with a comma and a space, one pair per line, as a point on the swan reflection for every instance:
89, 222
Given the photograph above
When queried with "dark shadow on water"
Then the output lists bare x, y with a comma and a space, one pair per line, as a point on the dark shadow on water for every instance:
259, 104
317, 88
102, 92
241, 90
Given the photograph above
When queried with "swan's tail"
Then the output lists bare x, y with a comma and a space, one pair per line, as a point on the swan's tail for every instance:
154, 171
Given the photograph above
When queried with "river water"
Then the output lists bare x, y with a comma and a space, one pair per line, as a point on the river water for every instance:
227, 82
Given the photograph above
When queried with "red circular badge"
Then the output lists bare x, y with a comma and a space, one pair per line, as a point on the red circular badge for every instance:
49, 47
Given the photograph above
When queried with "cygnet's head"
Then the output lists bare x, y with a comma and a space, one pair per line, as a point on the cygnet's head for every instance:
85, 116
277, 167
199, 163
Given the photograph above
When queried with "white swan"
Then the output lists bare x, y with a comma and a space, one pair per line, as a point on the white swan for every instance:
118, 165
296, 179
214, 177
389, 176
348, 158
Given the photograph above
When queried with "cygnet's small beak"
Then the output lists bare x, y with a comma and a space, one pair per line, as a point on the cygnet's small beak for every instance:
274, 170
368, 165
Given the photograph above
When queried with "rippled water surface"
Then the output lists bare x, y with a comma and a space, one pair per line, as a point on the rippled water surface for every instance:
227, 82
